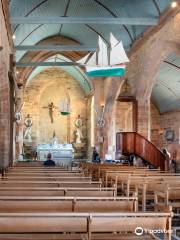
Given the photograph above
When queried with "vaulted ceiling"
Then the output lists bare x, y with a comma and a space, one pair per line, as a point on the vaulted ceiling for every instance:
87, 34
166, 91
29, 19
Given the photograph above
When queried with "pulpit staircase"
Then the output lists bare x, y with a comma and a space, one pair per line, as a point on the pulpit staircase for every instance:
128, 143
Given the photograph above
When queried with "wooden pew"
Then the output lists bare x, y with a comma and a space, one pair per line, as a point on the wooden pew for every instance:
44, 191
67, 204
87, 184
35, 169
149, 184
64, 178
168, 196
142, 182
40, 172
92, 225
96, 170
110, 176
32, 174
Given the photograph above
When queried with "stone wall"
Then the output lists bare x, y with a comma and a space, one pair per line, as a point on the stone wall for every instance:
4, 91
159, 124
124, 116
51, 86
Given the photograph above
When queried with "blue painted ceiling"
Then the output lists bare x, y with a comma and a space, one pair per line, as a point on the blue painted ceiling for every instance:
75, 72
166, 92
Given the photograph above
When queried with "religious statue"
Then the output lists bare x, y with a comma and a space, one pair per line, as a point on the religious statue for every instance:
28, 132
51, 109
54, 140
78, 132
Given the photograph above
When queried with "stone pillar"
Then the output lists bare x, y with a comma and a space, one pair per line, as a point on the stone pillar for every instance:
4, 93
106, 92
19, 124
144, 118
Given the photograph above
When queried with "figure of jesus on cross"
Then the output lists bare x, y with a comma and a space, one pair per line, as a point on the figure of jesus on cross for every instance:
51, 107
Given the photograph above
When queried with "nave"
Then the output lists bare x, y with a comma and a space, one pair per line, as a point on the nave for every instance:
122, 202
92, 88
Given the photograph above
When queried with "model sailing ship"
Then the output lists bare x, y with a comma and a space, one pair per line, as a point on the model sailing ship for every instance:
105, 63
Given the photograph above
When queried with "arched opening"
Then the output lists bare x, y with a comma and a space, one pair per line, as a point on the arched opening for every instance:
54, 86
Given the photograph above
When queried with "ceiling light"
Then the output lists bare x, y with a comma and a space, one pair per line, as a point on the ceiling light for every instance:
17, 72
14, 37
174, 4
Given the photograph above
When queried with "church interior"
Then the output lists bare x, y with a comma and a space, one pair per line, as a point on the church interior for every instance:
89, 119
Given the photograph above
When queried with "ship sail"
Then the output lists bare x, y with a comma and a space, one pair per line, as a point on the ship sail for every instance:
97, 64
117, 54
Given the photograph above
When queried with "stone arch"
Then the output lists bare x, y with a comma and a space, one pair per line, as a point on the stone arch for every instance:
144, 65
146, 60
43, 55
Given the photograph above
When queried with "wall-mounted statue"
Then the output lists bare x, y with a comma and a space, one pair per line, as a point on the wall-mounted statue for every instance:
78, 132
28, 131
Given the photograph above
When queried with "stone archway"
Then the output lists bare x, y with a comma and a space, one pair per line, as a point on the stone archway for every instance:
43, 55
145, 62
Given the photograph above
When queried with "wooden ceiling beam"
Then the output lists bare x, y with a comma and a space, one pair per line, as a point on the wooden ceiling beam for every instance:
61, 48
45, 64
85, 20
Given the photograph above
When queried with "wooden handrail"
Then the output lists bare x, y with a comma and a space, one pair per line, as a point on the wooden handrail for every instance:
134, 143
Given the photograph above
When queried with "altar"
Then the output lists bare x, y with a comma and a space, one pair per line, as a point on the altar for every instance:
62, 154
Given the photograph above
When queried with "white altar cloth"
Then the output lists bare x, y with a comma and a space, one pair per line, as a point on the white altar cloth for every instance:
62, 154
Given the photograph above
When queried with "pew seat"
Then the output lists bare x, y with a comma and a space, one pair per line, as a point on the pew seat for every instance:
91, 224
67, 204
49, 191
74, 237
82, 183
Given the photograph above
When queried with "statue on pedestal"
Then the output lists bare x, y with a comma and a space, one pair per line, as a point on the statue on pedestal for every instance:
28, 131
78, 132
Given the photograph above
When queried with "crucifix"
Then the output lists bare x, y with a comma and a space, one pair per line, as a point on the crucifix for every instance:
51, 109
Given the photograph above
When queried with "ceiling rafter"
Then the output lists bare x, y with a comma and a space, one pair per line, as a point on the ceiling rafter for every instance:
32, 10
172, 64
31, 33
114, 15
65, 14
170, 89
99, 34
157, 7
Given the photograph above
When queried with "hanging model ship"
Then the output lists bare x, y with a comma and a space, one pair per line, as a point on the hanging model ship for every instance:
64, 108
105, 63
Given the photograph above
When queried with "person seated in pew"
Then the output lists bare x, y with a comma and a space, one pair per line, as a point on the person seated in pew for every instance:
49, 162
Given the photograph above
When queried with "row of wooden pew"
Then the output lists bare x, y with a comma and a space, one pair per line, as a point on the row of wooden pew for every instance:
54, 203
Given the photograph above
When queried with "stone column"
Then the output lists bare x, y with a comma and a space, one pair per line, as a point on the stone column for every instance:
4, 93
106, 92
19, 124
